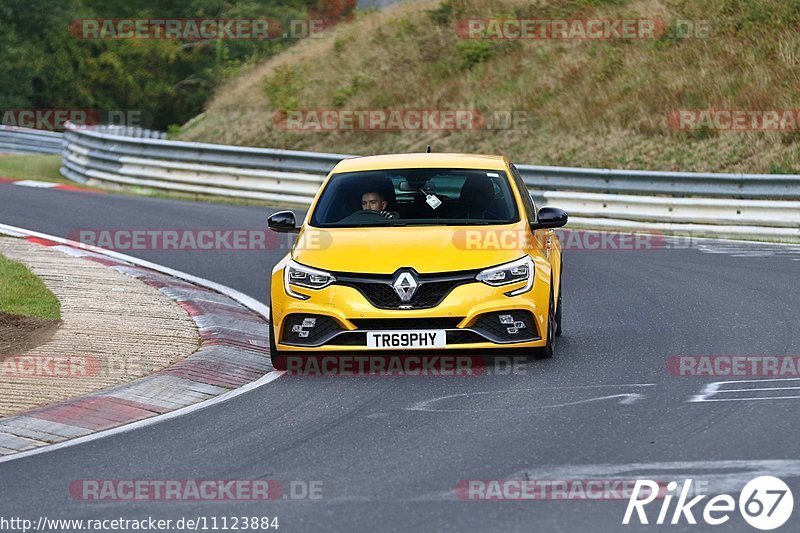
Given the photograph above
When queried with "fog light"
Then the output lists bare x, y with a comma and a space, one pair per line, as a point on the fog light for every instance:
512, 331
309, 322
302, 333
297, 329
506, 319
519, 325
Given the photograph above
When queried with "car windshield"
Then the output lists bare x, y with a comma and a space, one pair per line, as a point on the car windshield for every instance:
406, 197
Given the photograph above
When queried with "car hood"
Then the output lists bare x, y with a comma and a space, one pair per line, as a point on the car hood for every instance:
423, 248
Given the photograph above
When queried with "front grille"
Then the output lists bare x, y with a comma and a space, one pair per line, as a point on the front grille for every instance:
463, 337
432, 288
406, 323
378, 294
306, 329
350, 338
383, 296
489, 324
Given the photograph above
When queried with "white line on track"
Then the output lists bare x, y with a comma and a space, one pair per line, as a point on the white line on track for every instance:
716, 388
247, 301
625, 398
36, 184
263, 380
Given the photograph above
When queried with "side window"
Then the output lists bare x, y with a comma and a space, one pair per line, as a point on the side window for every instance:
530, 209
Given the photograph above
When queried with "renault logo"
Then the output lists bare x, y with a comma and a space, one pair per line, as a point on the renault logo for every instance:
405, 285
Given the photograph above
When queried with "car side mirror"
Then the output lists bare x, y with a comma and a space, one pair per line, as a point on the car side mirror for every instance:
550, 217
283, 222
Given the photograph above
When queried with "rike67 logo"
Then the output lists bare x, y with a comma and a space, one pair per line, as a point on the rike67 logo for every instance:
765, 503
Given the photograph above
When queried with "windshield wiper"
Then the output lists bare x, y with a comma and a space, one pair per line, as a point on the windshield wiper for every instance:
402, 223
440, 223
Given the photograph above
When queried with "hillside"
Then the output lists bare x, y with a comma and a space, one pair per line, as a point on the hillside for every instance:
602, 103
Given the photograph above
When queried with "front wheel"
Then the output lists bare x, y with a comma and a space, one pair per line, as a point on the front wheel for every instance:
547, 351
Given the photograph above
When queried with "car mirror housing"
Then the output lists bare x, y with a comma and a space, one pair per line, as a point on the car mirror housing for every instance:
550, 217
283, 222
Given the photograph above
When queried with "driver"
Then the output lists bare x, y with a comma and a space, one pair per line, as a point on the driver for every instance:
374, 201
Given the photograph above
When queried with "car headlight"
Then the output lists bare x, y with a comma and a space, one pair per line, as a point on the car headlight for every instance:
302, 276
507, 273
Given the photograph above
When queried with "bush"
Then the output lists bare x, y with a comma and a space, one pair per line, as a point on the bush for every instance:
474, 52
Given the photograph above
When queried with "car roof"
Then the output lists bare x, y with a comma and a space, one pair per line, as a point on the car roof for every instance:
422, 160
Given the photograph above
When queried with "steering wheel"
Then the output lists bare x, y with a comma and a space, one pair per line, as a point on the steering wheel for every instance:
392, 215
369, 215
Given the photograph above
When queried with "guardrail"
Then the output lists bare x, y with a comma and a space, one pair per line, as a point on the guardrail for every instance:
759, 206
15, 140
258, 173
126, 131
707, 185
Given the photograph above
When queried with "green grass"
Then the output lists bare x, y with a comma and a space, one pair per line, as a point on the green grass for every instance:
32, 167
23, 294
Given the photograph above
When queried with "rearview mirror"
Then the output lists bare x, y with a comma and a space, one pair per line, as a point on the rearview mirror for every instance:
550, 217
283, 222
418, 185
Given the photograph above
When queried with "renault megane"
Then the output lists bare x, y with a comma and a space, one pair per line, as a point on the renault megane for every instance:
419, 252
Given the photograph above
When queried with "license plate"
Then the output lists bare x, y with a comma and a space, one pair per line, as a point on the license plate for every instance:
387, 340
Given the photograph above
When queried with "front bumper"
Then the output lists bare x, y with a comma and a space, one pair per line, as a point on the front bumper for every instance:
339, 317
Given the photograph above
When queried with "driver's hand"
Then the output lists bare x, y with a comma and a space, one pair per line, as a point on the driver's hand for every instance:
387, 214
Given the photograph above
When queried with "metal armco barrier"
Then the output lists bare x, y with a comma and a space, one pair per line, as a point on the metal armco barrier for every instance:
753, 206
15, 140
601, 180
275, 175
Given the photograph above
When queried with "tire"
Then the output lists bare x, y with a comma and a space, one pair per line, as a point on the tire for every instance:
558, 309
548, 350
278, 358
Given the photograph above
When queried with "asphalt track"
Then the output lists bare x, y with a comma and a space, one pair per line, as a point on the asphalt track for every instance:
390, 451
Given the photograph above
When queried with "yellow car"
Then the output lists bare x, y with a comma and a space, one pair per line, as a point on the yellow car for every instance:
417, 252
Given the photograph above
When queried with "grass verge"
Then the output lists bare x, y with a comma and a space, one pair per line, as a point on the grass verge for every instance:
24, 294
42, 167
